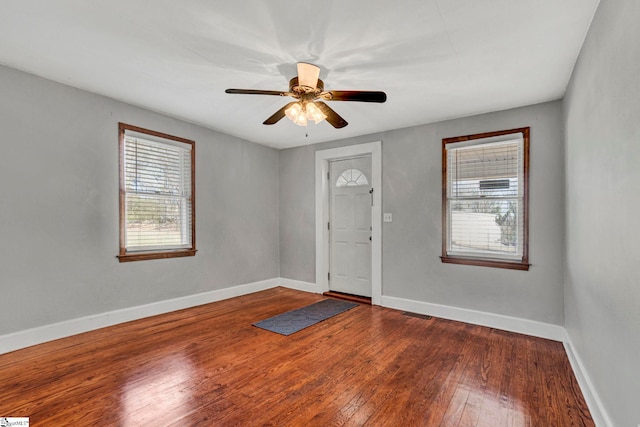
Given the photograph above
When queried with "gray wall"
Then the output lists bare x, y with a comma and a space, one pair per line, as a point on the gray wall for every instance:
602, 125
411, 174
59, 208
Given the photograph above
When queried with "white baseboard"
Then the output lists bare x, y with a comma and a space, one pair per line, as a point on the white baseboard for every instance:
29, 337
598, 412
300, 285
498, 321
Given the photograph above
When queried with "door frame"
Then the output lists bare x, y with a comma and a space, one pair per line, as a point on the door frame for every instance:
322, 212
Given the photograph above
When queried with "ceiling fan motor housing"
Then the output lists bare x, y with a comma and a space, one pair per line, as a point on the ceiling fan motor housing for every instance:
296, 88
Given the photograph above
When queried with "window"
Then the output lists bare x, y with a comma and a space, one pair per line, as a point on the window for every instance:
351, 178
157, 197
485, 199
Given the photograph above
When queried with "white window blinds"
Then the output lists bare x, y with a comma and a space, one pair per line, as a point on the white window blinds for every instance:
158, 199
484, 198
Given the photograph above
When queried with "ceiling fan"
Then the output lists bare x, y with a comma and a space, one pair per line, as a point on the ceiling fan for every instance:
308, 90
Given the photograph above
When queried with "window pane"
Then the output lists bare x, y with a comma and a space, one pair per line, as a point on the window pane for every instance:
152, 169
486, 162
351, 178
484, 225
156, 221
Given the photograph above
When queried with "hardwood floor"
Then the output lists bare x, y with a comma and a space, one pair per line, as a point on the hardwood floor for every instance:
208, 366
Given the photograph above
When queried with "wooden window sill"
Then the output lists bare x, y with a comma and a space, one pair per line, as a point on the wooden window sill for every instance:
479, 262
140, 256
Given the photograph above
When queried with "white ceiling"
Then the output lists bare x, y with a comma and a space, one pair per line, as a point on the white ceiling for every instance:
435, 59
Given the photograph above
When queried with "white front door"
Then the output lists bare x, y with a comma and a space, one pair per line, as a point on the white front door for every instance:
350, 225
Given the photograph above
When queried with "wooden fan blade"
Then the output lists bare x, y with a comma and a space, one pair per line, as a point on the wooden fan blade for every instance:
278, 115
256, 92
354, 95
333, 118
308, 74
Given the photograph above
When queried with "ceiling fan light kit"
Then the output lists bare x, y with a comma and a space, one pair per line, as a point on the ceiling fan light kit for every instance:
309, 92
300, 112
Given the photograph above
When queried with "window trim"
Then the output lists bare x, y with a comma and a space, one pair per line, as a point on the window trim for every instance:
125, 256
480, 260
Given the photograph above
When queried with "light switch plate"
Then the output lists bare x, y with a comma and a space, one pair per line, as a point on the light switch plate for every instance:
387, 217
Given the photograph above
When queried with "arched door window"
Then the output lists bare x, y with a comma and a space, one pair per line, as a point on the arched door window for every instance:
352, 178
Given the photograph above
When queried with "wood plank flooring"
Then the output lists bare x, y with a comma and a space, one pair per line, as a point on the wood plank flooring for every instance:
208, 366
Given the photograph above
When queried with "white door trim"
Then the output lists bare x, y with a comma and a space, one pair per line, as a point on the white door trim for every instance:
322, 213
